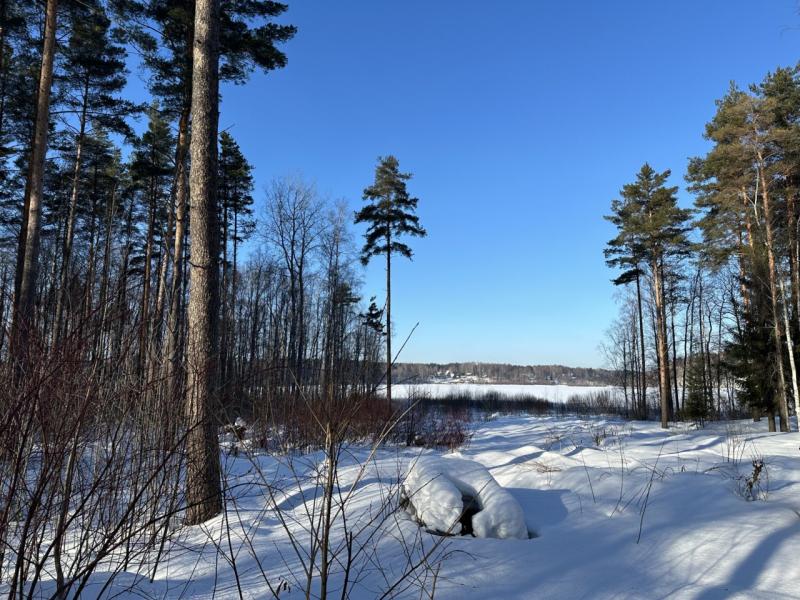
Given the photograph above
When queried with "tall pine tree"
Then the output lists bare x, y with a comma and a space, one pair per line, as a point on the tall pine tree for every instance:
389, 215
653, 229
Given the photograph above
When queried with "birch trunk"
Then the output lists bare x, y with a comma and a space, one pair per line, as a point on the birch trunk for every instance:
783, 409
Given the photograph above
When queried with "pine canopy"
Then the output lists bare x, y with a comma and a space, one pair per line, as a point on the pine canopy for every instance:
390, 212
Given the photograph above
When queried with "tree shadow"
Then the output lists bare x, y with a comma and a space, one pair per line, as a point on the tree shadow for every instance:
542, 508
746, 573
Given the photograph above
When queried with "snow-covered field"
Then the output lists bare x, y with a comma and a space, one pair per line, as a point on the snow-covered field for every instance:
616, 510
553, 393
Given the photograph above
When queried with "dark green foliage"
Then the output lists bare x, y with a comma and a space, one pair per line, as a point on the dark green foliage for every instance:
248, 35
751, 353
390, 212
151, 169
373, 318
699, 399
235, 189
151, 161
163, 31
20, 60
93, 70
649, 223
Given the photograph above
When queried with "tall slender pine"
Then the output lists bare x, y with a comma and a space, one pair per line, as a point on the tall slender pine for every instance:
389, 215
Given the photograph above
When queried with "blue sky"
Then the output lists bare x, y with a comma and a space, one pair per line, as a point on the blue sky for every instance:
520, 121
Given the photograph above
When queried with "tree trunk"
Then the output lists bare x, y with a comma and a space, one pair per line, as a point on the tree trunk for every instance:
677, 407
28, 260
661, 345
783, 408
225, 337
203, 494
231, 367
389, 319
791, 359
172, 358
144, 318
161, 296
748, 224
643, 393
688, 336
104, 282
794, 266
73, 205
625, 373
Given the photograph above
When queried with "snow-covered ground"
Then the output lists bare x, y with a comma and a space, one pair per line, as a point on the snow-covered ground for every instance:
616, 509
553, 393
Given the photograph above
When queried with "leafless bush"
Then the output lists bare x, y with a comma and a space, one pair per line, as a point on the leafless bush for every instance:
336, 544
734, 444
89, 474
755, 485
430, 426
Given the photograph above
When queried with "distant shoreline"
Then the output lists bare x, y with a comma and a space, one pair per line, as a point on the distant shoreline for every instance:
502, 374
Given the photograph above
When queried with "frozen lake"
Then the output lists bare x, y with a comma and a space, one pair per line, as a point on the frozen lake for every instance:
553, 393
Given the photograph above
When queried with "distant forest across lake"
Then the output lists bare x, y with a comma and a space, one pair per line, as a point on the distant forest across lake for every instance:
503, 373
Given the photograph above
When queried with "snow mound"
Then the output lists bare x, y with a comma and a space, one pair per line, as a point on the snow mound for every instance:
436, 487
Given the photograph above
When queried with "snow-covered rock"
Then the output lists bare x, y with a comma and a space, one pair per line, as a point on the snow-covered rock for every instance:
435, 487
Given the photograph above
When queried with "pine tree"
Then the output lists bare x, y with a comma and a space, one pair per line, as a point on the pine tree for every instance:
94, 71
652, 230
151, 172
163, 32
751, 160
30, 230
203, 492
389, 215
626, 252
20, 60
235, 190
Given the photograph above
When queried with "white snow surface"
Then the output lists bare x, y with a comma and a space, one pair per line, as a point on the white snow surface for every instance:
553, 393
622, 510
435, 485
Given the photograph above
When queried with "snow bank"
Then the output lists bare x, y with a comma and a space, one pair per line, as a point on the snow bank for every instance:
435, 487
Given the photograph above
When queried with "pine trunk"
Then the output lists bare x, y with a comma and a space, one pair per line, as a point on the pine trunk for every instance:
389, 320
73, 205
661, 346
28, 259
203, 494
643, 393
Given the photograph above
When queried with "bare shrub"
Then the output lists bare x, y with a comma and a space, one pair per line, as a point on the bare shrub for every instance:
754, 485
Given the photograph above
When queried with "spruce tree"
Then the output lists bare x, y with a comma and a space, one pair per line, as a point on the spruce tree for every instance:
699, 401
389, 215
750, 356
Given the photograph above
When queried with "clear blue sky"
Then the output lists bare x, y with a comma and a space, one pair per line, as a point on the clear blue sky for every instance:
520, 121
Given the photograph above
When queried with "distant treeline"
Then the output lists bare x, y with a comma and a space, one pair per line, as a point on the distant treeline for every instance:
504, 373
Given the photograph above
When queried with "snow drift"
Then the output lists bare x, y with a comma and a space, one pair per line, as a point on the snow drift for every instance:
436, 487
